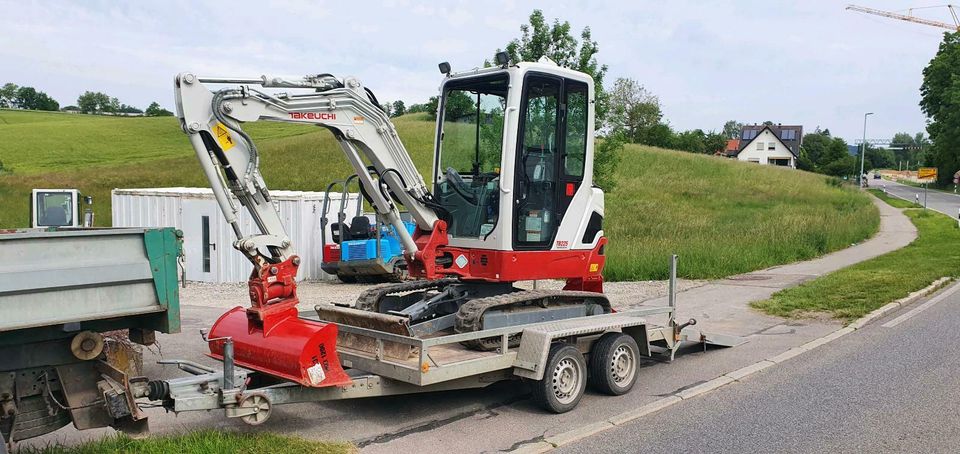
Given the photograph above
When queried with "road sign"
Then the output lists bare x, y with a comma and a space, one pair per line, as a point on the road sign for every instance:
926, 173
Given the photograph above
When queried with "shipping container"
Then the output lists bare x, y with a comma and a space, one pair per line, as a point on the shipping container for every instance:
208, 239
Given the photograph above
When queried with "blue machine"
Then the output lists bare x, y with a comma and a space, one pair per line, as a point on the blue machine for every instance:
361, 250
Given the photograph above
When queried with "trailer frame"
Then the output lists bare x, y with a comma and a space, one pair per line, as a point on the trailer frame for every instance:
376, 374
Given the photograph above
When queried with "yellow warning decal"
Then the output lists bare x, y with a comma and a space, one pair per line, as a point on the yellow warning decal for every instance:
594, 267
223, 136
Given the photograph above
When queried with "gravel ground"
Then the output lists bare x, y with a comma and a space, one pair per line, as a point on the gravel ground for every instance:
621, 294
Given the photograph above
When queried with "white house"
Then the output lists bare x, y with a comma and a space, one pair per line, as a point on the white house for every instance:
770, 145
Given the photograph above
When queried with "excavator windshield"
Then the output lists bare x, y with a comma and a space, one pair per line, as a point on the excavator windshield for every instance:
469, 152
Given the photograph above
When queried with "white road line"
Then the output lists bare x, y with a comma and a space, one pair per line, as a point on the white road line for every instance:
913, 312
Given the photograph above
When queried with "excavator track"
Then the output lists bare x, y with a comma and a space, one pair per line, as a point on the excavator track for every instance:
369, 300
470, 316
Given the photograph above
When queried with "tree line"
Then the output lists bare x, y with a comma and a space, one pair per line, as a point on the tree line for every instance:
13, 96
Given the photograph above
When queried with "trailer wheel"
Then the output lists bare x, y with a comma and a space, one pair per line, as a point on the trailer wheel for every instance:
614, 361
257, 408
564, 380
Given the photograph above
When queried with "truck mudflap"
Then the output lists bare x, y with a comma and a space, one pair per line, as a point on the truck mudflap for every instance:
283, 346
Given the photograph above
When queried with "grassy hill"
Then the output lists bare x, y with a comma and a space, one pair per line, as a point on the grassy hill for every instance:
723, 217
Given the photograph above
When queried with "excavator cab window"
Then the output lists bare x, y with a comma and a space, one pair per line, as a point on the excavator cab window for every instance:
468, 168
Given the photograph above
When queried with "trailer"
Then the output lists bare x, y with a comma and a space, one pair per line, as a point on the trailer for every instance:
558, 359
60, 291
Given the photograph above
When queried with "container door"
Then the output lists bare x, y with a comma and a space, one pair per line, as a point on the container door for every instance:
201, 225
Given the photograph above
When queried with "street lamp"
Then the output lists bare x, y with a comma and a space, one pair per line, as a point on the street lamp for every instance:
863, 154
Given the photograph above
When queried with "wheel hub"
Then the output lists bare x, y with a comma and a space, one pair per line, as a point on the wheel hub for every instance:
566, 380
622, 365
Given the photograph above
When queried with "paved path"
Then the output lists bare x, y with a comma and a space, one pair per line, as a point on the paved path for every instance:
502, 417
944, 202
723, 305
890, 387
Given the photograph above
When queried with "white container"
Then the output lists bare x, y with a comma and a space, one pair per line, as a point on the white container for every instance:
196, 213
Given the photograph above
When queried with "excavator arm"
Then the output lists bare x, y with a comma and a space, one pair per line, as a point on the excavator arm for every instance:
269, 336
231, 161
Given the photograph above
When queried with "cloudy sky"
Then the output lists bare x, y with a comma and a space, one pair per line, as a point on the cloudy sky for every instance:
806, 62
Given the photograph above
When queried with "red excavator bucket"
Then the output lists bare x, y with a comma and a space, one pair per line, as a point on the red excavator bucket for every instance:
292, 348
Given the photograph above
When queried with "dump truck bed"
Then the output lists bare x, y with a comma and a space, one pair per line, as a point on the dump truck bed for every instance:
56, 278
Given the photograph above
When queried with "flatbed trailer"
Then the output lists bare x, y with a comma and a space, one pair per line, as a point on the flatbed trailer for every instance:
556, 357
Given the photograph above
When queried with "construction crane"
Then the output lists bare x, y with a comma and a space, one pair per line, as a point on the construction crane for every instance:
909, 17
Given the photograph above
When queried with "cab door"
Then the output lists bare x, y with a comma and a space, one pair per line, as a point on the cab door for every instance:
550, 157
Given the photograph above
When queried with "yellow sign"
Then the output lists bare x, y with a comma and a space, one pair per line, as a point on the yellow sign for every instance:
594, 267
927, 173
223, 136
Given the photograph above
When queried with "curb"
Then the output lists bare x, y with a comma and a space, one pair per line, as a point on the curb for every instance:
564, 438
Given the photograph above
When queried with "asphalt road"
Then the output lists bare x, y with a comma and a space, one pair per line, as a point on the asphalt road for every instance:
880, 389
943, 202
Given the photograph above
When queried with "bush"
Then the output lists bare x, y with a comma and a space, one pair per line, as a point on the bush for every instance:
606, 157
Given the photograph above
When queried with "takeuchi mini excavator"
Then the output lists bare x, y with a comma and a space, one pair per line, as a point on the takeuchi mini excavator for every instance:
511, 199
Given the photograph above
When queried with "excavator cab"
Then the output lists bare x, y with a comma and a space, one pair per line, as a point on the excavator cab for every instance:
513, 167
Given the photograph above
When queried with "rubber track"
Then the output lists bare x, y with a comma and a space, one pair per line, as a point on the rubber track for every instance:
470, 316
369, 299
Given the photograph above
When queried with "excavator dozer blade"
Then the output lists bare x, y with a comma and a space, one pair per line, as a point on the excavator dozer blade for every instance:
286, 346
345, 316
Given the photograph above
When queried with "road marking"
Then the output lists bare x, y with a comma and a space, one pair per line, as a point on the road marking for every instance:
913, 312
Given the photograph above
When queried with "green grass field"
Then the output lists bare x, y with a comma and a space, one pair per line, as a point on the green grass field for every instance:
854, 291
207, 441
723, 217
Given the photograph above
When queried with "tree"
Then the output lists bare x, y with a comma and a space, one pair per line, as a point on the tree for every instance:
632, 110
554, 41
732, 128
715, 142
692, 141
606, 158
386, 108
88, 102
30, 98
815, 147
154, 110
398, 108
940, 101
8, 95
97, 102
129, 109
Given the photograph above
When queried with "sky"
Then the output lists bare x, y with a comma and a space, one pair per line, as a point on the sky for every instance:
806, 62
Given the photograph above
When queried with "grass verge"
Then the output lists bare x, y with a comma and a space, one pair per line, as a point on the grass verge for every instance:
855, 291
895, 202
206, 441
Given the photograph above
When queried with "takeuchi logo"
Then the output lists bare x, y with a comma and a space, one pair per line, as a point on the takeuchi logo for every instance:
313, 116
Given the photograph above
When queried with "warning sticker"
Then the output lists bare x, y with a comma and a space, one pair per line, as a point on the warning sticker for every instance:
223, 136
315, 374
358, 120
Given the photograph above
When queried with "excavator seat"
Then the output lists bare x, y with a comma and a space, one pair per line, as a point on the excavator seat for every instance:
340, 231
360, 228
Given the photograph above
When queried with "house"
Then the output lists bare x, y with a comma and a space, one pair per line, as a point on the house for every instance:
770, 144
733, 146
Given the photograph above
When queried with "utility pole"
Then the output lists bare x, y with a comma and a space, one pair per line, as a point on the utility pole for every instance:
863, 154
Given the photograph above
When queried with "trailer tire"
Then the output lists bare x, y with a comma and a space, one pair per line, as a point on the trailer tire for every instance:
614, 361
564, 379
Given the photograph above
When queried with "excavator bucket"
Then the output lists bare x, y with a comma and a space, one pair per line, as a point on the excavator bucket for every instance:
345, 316
284, 346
